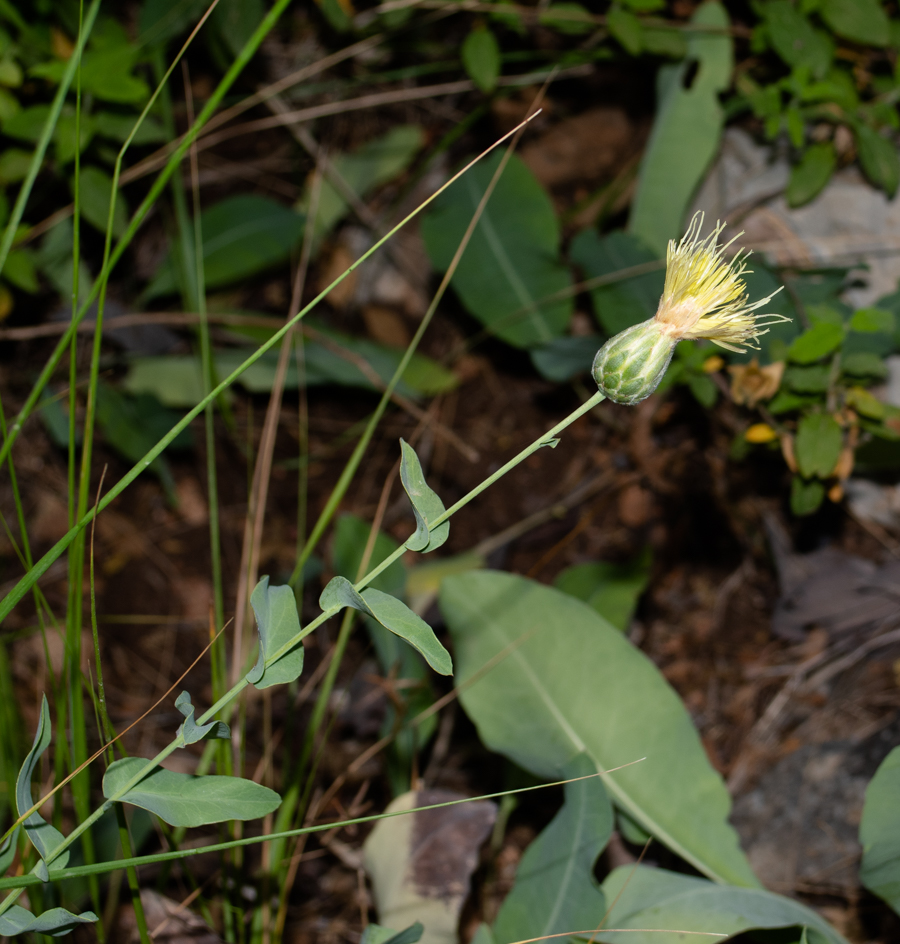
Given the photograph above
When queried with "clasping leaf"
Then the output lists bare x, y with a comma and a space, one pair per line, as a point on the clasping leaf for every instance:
427, 506
193, 732
56, 922
278, 622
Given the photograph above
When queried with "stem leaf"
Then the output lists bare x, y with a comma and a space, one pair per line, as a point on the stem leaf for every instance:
193, 732
426, 503
278, 622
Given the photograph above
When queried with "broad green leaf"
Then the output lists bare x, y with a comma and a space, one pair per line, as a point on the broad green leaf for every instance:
512, 261
626, 28
878, 157
686, 131
567, 357
806, 495
193, 732
376, 934
555, 889
612, 590
480, 55
14, 164
818, 445
807, 379
427, 505
235, 20
242, 236
879, 832
570, 18
567, 682
394, 615
811, 174
622, 302
661, 901
183, 800
44, 837
278, 624
821, 339
796, 40
27, 124
864, 365
95, 189
106, 74
662, 40
19, 269
370, 166
873, 320
57, 922
863, 21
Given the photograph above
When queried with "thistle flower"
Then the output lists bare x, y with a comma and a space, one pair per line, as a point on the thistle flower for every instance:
704, 297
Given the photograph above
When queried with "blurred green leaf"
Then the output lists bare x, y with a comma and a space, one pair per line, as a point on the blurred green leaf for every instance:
242, 235
812, 379
570, 18
14, 164
663, 40
878, 157
795, 39
879, 832
27, 124
686, 131
864, 365
235, 20
817, 445
625, 27
512, 261
863, 21
611, 589
623, 302
95, 191
20, 270
806, 496
811, 174
481, 58
815, 343
117, 127
567, 357
872, 320
162, 20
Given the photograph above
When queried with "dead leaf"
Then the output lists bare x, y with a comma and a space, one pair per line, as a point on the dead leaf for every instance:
750, 383
385, 326
191, 503
332, 267
167, 921
635, 506
420, 865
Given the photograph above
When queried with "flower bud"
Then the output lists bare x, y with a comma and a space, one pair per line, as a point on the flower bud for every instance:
629, 367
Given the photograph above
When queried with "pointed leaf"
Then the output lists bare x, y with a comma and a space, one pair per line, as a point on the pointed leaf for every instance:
55, 922
183, 800
340, 592
8, 850
571, 683
425, 501
44, 837
278, 623
657, 900
555, 890
193, 732
400, 619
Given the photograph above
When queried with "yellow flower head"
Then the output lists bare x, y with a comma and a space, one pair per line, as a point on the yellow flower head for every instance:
705, 295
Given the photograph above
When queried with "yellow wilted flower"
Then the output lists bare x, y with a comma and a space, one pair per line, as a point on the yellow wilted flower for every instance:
704, 297
751, 383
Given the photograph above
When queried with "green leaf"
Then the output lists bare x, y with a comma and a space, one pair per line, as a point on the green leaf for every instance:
795, 39
193, 732
816, 342
8, 849
427, 505
96, 186
864, 364
162, 20
57, 922
658, 900
350, 537
610, 589
106, 73
807, 379
818, 445
570, 18
704, 389
663, 40
878, 157
811, 174
568, 683
555, 889
393, 615
376, 934
235, 20
183, 800
512, 261
879, 832
863, 21
481, 58
44, 837
14, 164
20, 270
278, 623
242, 236
622, 302
625, 27
566, 357
118, 127
873, 321
27, 124
370, 166
686, 132
806, 495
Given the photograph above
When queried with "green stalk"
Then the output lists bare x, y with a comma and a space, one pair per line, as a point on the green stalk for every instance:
40, 568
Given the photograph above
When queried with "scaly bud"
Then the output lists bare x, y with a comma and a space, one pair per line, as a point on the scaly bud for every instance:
704, 297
